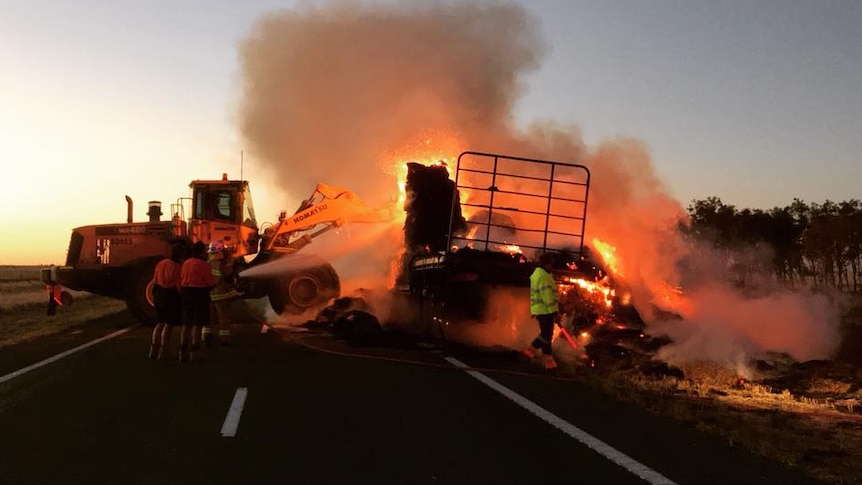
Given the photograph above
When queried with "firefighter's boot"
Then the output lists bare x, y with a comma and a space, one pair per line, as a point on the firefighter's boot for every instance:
550, 363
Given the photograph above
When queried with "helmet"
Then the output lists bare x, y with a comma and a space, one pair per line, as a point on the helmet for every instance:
216, 246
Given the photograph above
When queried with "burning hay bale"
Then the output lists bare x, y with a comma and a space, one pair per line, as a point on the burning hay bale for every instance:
613, 333
429, 208
430, 194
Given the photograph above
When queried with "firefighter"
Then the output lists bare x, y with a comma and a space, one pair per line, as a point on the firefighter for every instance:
544, 307
196, 281
166, 299
221, 265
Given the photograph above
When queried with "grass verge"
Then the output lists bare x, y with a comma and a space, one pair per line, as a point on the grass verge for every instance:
28, 321
812, 435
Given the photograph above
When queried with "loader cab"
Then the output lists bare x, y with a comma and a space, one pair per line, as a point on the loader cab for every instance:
222, 209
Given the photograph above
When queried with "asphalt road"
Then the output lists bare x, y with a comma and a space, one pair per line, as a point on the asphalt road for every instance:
317, 411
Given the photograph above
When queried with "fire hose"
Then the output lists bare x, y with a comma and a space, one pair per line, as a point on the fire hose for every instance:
303, 341
299, 340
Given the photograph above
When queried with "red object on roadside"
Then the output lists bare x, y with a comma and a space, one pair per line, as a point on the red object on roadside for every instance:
568, 337
55, 292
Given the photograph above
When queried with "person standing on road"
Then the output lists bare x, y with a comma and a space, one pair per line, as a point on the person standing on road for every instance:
544, 307
166, 299
225, 292
196, 281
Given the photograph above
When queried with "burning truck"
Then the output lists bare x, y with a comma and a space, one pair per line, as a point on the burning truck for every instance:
477, 226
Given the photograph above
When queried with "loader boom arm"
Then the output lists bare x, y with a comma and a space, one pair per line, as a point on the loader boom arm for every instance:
327, 208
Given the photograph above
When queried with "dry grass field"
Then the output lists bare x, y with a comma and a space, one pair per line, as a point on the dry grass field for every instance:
815, 427
24, 302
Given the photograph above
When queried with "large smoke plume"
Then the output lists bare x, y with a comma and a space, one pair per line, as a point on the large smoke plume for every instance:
330, 92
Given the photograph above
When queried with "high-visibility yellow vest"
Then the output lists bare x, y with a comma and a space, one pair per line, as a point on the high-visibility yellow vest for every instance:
543, 293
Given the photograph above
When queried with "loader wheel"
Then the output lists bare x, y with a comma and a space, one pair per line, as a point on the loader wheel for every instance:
139, 293
303, 290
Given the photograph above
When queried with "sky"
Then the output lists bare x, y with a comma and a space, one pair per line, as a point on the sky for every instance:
757, 103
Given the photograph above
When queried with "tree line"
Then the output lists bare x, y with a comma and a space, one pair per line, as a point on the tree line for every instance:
812, 244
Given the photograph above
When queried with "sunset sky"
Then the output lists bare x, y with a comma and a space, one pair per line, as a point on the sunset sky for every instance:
754, 102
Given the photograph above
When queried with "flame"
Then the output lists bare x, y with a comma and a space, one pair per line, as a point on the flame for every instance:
666, 296
511, 249
599, 289
608, 254
432, 147
503, 248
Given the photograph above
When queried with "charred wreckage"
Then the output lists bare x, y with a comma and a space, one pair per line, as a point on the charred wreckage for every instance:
519, 208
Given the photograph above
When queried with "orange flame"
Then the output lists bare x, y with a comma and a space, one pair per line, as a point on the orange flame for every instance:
599, 289
433, 147
608, 254
511, 249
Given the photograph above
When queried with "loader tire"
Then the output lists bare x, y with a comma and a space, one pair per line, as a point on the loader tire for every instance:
304, 290
139, 292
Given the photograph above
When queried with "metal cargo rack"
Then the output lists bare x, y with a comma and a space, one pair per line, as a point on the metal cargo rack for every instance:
515, 209
520, 204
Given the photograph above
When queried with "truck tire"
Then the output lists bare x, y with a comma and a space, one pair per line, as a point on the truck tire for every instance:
300, 291
139, 292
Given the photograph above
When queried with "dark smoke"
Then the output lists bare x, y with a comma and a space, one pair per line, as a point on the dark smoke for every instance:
327, 91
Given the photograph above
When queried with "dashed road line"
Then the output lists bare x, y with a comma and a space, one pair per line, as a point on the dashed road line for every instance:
604, 449
61, 355
231, 421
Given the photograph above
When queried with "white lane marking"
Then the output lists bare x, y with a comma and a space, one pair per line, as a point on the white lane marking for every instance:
61, 355
231, 421
578, 434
